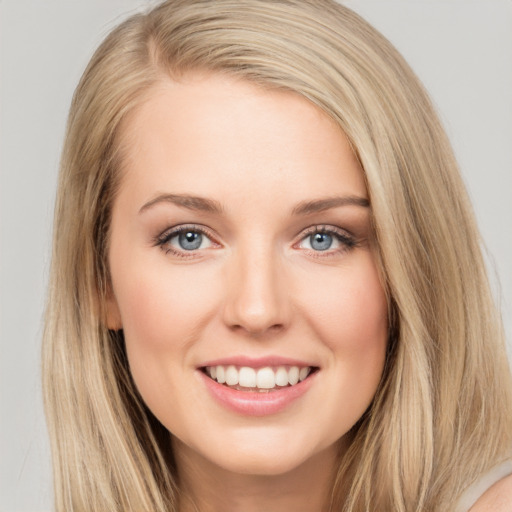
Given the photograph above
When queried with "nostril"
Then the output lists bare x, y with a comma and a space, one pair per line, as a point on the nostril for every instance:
257, 330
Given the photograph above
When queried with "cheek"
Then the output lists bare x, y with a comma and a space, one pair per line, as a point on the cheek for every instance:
350, 307
350, 316
162, 313
160, 304
354, 326
162, 309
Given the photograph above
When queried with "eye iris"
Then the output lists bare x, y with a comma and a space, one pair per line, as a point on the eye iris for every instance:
320, 241
190, 240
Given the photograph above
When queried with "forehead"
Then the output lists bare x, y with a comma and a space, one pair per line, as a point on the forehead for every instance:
205, 132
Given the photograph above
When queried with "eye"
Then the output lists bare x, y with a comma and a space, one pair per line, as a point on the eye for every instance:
326, 239
320, 241
189, 240
183, 241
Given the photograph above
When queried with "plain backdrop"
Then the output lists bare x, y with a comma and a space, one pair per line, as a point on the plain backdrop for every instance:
461, 49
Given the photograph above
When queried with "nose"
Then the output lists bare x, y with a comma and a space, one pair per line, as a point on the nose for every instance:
257, 302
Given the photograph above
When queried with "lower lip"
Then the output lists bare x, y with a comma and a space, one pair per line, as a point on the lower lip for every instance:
254, 403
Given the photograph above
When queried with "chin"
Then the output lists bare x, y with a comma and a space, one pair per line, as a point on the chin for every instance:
264, 452
262, 464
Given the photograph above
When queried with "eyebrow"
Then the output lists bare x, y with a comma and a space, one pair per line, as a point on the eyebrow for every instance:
320, 205
185, 201
211, 206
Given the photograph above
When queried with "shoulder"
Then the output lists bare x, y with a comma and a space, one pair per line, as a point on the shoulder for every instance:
497, 498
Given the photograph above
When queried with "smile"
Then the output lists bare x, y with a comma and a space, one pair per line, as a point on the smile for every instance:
257, 386
246, 378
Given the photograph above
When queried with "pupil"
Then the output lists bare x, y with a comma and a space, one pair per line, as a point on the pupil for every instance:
190, 240
321, 241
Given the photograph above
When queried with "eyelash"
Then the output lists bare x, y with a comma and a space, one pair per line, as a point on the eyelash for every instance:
347, 241
163, 239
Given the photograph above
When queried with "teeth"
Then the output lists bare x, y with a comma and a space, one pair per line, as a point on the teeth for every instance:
231, 376
262, 378
265, 378
247, 377
303, 373
293, 375
282, 376
221, 375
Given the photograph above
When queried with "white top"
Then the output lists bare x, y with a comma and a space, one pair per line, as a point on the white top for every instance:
473, 493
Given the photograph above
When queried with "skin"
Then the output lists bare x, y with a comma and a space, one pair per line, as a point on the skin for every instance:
256, 287
497, 498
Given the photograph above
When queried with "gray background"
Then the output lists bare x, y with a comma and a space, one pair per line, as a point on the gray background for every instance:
461, 49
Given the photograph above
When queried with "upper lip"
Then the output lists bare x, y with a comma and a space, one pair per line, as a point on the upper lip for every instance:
257, 362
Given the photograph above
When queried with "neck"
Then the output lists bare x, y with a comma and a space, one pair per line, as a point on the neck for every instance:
209, 488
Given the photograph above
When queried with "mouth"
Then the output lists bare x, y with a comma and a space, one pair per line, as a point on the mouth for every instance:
261, 380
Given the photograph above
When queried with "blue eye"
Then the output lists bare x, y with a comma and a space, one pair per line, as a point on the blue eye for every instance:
327, 239
184, 239
321, 241
189, 240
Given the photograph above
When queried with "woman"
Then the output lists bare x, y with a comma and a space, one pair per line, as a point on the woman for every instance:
267, 289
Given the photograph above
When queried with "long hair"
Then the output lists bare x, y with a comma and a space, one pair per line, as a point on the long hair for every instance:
443, 412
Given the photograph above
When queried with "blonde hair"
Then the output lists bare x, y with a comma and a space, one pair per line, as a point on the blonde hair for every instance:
443, 413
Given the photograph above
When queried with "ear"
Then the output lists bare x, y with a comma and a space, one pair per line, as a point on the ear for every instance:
112, 314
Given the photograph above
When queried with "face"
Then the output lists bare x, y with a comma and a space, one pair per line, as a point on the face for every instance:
243, 274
